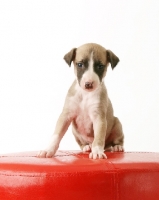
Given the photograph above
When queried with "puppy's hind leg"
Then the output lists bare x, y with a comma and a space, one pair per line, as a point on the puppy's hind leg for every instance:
86, 148
118, 136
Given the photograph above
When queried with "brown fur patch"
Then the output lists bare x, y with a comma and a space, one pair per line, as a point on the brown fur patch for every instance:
83, 53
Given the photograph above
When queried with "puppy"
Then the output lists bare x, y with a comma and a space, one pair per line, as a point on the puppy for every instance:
87, 105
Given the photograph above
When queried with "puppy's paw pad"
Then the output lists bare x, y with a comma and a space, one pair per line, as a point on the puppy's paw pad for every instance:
87, 148
118, 148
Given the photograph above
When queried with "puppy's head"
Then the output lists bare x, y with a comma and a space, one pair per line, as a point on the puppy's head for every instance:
90, 64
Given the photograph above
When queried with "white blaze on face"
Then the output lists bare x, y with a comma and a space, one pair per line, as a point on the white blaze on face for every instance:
90, 76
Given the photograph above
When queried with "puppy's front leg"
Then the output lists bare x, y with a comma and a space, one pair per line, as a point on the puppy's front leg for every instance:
61, 127
99, 126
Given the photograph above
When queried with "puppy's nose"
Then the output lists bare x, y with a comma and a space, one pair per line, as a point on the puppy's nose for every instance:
88, 85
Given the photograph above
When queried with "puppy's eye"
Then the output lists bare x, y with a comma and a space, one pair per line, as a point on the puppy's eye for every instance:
79, 64
100, 66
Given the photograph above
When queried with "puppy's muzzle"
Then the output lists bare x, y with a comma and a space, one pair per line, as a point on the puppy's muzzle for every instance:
89, 85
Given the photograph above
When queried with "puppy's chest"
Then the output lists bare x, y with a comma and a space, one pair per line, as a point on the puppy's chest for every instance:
84, 109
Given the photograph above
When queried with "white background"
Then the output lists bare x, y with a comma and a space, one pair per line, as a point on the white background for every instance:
34, 79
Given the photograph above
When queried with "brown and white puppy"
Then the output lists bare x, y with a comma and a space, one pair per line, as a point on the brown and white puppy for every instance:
87, 105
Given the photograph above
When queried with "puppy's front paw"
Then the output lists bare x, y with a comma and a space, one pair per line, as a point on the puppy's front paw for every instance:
45, 154
97, 152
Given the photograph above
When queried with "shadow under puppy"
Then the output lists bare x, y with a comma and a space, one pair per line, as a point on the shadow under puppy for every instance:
87, 105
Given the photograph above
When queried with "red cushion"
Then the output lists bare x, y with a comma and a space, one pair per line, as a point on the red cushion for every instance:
71, 175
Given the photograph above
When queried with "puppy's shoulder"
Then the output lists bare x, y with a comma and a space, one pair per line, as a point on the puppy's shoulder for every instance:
103, 93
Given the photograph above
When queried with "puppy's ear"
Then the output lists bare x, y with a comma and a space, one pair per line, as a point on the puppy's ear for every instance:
70, 56
112, 58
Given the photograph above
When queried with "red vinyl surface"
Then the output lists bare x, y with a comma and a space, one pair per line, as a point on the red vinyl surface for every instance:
71, 175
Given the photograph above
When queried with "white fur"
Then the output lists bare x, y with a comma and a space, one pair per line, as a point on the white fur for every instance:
90, 76
83, 107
